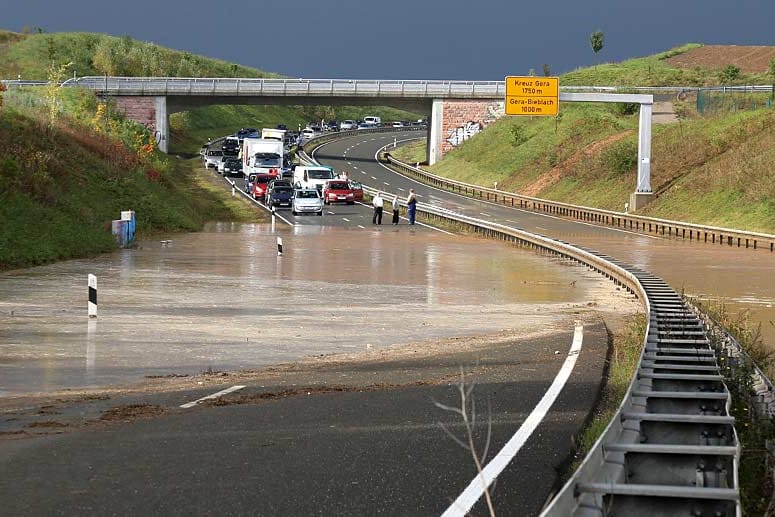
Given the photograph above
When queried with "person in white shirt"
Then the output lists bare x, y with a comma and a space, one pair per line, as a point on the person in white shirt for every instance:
377, 202
411, 205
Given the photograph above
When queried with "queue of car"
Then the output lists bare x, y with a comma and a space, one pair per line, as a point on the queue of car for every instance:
303, 189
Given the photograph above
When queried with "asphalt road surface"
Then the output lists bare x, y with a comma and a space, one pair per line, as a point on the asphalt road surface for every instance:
360, 437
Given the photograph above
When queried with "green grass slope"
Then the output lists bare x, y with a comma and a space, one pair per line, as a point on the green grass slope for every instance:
30, 56
712, 169
61, 186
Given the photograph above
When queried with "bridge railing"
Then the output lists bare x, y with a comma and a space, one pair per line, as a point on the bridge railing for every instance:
289, 87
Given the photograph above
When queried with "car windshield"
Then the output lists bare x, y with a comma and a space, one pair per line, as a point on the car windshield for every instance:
267, 160
307, 194
320, 174
263, 179
355, 185
283, 190
338, 186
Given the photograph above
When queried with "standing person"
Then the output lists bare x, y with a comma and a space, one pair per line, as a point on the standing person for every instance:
411, 205
377, 202
395, 210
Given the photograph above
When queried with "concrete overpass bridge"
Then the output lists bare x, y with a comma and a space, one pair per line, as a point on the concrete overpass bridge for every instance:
456, 110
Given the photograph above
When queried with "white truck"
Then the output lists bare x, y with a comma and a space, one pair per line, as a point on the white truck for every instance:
312, 176
268, 133
261, 155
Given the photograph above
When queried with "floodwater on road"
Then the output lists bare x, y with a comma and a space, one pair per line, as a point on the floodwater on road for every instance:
223, 299
740, 279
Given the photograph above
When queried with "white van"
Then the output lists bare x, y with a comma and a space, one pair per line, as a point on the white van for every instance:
372, 120
312, 176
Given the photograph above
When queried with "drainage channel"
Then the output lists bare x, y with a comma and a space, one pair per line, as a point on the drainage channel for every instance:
672, 448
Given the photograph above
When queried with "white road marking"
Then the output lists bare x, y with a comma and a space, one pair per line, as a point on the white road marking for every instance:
361, 226
386, 183
374, 178
213, 396
402, 190
485, 214
331, 213
476, 488
345, 219
362, 172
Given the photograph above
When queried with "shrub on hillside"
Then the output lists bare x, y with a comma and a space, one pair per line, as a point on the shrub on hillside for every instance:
621, 157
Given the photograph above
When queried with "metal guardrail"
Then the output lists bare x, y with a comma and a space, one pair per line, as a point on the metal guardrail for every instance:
649, 225
237, 86
671, 449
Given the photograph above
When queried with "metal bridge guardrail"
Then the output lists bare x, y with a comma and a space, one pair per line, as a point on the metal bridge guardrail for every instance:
671, 448
289, 87
238, 86
650, 225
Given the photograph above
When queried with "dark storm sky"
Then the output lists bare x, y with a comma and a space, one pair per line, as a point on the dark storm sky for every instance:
408, 39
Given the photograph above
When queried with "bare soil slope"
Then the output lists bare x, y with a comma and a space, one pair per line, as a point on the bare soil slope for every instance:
747, 58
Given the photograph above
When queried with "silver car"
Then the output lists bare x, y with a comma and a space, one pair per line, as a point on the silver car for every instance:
306, 201
213, 158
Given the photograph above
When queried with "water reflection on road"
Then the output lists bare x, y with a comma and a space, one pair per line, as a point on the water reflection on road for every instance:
223, 299
740, 279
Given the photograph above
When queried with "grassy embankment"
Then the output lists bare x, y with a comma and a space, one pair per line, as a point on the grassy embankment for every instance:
61, 185
713, 169
28, 55
63, 181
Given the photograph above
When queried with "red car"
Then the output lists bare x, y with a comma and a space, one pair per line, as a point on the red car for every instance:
338, 191
260, 184
357, 189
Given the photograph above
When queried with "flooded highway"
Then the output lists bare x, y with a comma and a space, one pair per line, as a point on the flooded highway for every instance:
223, 299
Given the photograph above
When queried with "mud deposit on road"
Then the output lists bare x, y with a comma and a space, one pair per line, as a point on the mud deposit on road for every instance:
223, 301
423, 363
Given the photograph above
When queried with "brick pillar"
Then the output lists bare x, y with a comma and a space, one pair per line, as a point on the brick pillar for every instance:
148, 111
455, 121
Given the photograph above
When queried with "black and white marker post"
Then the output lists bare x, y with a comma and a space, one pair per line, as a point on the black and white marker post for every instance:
279, 246
92, 296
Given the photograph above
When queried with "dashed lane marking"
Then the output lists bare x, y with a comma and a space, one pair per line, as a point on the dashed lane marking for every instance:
213, 396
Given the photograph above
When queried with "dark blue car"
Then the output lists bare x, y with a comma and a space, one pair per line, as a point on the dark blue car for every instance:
280, 195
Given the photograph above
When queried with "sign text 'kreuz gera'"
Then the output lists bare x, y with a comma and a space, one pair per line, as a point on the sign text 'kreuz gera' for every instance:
532, 95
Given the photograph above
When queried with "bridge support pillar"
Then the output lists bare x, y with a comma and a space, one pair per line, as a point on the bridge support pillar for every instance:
162, 121
435, 125
150, 112
640, 199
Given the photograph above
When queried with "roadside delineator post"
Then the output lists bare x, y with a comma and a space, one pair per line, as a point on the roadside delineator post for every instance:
279, 245
92, 296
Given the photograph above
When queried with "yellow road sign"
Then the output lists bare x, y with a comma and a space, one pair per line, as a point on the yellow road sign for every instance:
532, 95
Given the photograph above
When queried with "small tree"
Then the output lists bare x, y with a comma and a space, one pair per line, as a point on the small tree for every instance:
596, 40
546, 69
2, 89
56, 74
730, 74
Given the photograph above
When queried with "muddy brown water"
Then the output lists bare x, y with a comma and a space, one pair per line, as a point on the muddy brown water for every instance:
742, 280
222, 299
